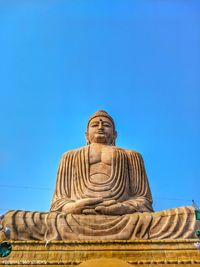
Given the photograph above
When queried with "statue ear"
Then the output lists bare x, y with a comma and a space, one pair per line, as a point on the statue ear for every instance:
87, 140
114, 139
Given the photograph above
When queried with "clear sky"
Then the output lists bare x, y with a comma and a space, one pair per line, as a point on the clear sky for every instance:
62, 60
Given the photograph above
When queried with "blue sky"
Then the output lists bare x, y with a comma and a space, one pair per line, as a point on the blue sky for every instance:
62, 60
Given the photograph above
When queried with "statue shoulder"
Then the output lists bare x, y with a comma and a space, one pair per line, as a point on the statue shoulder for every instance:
130, 153
133, 153
72, 152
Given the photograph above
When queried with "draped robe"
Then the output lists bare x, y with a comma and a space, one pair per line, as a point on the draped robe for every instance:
127, 183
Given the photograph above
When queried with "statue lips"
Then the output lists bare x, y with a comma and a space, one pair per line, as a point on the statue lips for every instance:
100, 132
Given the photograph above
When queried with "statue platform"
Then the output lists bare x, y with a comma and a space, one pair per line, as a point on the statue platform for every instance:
104, 253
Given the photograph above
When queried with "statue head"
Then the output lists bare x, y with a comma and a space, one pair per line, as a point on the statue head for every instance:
101, 129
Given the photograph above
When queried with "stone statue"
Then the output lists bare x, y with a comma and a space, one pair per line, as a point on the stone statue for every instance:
101, 178
101, 192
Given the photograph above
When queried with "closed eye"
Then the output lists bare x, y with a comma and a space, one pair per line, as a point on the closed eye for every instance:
107, 125
94, 125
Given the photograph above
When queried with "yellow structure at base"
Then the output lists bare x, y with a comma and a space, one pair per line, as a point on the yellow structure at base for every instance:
104, 253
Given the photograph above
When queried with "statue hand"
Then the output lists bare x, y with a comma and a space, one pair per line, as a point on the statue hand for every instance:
94, 210
79, 205
115, 209
107, 203
90, 211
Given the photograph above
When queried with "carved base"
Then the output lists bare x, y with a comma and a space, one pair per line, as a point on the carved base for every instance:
104, 253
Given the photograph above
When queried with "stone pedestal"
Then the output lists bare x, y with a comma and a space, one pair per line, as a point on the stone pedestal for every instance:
104, 253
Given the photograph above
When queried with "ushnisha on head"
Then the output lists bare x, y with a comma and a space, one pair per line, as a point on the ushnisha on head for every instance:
101, 129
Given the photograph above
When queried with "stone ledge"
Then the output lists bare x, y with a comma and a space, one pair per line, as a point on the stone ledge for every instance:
93, 253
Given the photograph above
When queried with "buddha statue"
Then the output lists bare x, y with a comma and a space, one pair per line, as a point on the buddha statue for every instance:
101, 178
101, 193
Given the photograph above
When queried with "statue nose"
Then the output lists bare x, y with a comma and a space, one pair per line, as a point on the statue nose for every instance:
100, 125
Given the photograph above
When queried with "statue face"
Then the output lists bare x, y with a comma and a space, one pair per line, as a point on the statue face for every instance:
100, 130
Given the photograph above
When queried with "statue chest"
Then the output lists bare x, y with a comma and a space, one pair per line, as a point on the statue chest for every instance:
100, 163
100, 171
